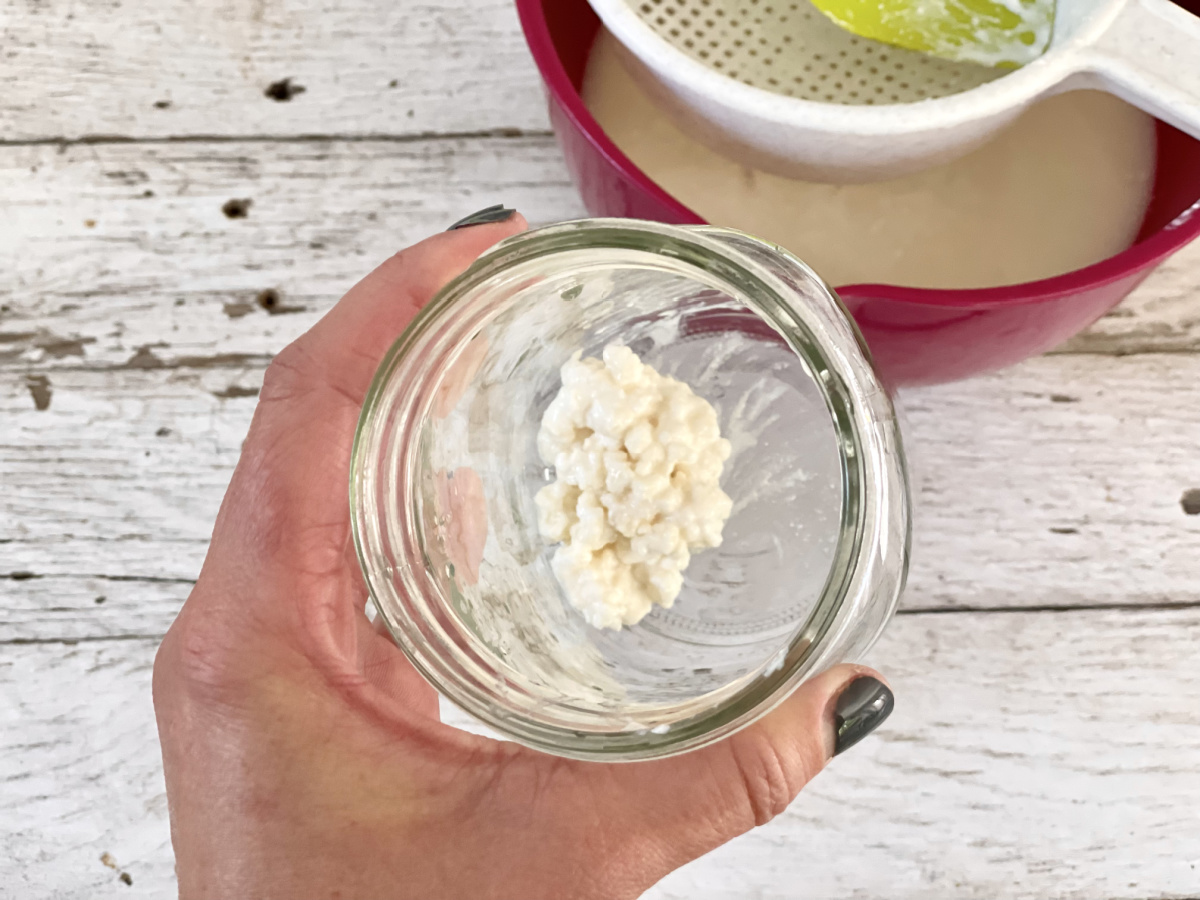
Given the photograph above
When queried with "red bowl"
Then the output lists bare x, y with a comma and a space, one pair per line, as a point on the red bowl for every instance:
916, 336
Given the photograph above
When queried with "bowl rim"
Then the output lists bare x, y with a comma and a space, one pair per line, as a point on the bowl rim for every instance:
1135, 260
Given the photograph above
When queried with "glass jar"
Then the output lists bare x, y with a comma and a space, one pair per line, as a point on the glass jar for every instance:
445, 469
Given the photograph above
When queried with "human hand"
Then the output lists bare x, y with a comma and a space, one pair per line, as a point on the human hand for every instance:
304, 756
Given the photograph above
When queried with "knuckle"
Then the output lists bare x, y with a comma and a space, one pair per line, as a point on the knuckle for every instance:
195, 660
770, 778
288, 375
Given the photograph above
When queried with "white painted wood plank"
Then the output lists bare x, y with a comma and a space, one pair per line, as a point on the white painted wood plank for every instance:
73, 69
80, 773
86, 607
170, 270
1030, 755
1057, 483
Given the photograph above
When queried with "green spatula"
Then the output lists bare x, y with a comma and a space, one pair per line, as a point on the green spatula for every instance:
993, 33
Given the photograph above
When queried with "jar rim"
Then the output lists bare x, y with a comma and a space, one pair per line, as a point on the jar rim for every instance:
819, 331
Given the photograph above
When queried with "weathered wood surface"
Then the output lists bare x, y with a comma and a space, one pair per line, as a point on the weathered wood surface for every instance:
1031, 755
1036, 751
173, 69
95, 269
173, 273
1055, 484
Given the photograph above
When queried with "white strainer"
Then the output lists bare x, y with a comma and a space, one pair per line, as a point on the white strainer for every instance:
776, 84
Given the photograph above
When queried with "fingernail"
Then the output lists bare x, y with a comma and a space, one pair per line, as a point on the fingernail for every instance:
861, 708
497, 213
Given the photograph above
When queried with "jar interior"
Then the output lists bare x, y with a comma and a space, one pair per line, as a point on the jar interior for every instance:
468, 492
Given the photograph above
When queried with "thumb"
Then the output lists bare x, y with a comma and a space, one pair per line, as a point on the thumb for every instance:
693, 803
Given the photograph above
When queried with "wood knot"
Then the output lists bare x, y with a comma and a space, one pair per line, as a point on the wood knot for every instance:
283, 90
237, 208
39, 390
1190, 501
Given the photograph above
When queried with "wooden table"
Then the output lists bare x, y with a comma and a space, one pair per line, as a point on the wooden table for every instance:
1046, 741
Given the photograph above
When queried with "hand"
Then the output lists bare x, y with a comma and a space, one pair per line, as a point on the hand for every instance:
304, 756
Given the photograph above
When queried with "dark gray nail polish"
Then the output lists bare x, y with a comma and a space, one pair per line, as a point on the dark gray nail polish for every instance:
859, 710
497, 213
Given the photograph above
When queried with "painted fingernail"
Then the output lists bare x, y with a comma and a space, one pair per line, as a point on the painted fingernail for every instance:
497, 213
861, 708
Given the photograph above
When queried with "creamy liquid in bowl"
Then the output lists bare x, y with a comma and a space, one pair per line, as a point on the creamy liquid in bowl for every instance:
1064, 187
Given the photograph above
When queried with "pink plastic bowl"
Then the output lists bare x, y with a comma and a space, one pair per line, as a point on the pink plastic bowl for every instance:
916, 336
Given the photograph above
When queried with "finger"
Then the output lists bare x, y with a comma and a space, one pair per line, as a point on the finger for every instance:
691, 804
388, 671
313, 394
286, 510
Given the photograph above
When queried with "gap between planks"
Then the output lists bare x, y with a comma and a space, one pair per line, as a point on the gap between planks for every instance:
122, 254
100, 140
1088, 511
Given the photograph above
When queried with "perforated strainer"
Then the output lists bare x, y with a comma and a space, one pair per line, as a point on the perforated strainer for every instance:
776, 84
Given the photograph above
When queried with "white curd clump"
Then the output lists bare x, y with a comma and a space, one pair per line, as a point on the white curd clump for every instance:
637, 459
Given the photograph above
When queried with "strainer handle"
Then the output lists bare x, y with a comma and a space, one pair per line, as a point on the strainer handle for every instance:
1150, 56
